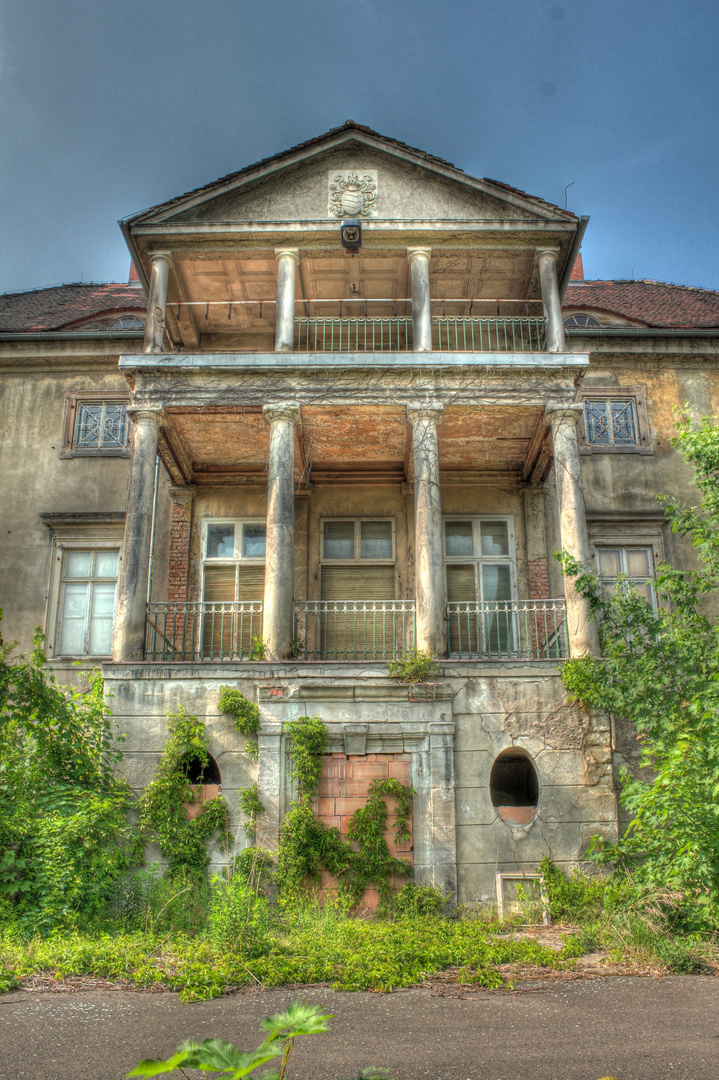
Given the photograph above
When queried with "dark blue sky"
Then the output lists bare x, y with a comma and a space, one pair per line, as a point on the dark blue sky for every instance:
108, 108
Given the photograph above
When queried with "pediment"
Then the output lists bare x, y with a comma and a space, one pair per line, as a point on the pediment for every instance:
407, 186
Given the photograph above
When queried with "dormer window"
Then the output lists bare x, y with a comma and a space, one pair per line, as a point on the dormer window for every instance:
127, 322
581, 322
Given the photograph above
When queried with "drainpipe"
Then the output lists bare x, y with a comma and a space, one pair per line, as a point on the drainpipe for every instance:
152, 528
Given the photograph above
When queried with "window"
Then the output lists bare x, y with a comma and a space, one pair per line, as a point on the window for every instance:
95, 425
615, 421
480, 571
573, 322
127, 322
514, 787
611, 421
357, 569
233, 586
637, 563
87, 602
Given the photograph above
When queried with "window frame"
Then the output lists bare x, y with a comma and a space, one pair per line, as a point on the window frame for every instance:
510, 558
76, 398
621, 546
638, 397
358, 560
227, 560
54, 620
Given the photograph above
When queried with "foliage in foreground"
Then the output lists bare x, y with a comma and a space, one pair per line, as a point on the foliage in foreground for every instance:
64, 836
660, 670
214, 1056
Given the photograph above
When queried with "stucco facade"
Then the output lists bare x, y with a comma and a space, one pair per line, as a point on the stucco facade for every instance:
341, 452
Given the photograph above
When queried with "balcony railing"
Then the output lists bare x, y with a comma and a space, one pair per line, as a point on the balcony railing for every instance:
507, 629
353, 629
202, 630
394, 334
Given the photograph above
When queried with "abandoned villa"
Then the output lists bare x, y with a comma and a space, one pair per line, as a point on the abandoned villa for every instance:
350, 403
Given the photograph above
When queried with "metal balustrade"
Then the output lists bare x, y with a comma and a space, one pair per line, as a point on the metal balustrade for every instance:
507, 629
201, 630
394, 334
353, 629
488, 333
351, 334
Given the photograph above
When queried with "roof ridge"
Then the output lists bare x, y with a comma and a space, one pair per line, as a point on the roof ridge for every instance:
69, 284
641, 281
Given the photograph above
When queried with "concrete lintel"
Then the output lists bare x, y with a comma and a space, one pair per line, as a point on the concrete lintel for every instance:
323, 361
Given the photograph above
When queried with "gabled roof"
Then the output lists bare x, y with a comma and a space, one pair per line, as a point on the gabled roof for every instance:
654, 303
349, 132
60, 306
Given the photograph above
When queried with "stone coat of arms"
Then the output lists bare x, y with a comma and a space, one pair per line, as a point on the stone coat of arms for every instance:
353, 194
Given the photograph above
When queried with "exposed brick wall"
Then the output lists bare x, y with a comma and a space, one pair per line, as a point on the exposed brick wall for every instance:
539, 579
344, 788
578, 269
180, 523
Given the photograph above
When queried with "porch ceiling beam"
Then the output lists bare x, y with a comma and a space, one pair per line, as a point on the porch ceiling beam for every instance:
193, 334
534, 450
174, 456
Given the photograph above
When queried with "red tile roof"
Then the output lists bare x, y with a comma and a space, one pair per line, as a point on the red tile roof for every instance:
654, 303
63, 306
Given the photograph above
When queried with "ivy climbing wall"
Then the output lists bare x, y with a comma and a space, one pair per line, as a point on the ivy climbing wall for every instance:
344, 788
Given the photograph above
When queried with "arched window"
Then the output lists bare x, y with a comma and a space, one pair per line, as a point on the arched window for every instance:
127, 322
199, 772
581, 322
514, 787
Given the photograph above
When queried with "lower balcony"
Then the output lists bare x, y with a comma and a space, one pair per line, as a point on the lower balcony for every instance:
355, 630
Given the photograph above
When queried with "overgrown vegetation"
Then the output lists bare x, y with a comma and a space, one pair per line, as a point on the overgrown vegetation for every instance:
308, 846
183, 842
660, 670
413, 666
65, 840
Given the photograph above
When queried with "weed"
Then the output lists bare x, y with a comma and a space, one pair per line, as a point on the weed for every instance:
413, 666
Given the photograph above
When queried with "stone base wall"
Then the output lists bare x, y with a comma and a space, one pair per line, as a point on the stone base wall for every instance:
449, 734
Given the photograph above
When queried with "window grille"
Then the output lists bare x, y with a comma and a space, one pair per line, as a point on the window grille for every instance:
100, 425
611, 421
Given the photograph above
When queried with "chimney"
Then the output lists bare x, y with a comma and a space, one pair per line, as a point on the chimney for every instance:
135, 277
578, 269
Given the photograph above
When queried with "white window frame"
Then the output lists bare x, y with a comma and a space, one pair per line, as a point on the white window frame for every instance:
621, 546
54, 609
238, 557
358, 560
493, 560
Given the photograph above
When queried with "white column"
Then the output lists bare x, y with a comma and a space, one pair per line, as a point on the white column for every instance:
157, 303
547, 261
129, 635
277, 611
428, 558
581, 628
287, 260
421, 312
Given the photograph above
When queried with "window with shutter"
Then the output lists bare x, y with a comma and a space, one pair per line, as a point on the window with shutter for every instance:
234, 583
356, 624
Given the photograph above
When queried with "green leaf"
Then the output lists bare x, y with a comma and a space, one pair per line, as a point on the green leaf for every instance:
223, 1057
299, 1019
150, 1067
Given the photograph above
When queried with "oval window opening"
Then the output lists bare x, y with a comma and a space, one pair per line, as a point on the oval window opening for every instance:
514, 787
199, 772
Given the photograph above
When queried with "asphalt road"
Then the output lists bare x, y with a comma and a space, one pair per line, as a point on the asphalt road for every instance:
626, 1027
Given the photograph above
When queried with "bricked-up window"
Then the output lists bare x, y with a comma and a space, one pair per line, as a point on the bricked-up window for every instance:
95, 425
480, 566
234, 571
87, 602
636, 563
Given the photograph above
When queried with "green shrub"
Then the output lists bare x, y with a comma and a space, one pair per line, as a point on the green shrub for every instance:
239, 918
413, 900
413, 666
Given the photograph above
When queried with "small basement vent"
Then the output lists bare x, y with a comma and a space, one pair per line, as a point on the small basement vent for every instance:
514, 787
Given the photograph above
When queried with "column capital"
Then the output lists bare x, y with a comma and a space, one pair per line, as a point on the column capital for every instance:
419, 253
289, 253
182, 493
282, 410
431, 412
552, 252
147, 414
555, 413
166, 255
